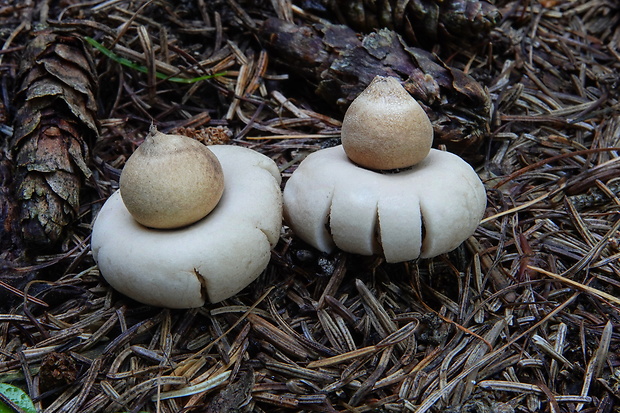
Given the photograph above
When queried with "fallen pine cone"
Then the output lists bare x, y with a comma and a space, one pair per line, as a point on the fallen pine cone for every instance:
422, 22
54, 124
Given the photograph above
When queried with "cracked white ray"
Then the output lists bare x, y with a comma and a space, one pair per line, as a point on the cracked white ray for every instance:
442, 196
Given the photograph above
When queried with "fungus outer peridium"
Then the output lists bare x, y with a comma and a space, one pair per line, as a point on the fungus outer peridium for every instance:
421, 211
210, 260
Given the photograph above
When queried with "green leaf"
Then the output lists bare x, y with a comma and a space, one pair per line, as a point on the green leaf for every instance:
126, 62
18, 397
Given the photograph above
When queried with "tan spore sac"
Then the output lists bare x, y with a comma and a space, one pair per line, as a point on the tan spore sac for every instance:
171, 181
385, 128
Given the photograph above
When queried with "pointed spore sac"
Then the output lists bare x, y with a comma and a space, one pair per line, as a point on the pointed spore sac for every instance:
55, 122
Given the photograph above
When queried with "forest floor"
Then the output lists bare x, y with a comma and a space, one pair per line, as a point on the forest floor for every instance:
523, 317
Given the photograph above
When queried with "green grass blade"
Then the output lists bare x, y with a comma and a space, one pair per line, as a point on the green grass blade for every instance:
140, 68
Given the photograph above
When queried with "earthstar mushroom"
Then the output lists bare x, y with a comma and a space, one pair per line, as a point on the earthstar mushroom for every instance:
207, 261
427, 208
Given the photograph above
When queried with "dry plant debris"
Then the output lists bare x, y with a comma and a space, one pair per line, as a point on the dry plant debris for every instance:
522, 318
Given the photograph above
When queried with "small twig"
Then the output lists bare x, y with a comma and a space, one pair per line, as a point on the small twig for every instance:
578, 285
551, 160
197, 388
596, 363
